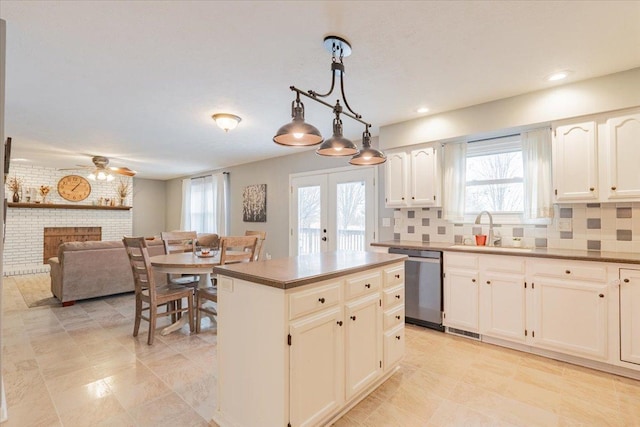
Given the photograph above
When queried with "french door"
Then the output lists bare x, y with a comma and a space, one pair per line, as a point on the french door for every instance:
331, 211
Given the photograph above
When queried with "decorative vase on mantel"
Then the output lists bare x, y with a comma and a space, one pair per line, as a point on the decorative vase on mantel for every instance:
16, 197
122, 199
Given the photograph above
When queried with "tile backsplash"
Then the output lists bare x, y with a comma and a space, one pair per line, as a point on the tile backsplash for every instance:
607, 227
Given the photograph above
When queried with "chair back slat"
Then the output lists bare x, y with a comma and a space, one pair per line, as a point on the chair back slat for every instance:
179, 241
261, 235
245, 244
138, 253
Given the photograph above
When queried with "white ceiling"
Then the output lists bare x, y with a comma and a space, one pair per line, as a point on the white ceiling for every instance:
138, 81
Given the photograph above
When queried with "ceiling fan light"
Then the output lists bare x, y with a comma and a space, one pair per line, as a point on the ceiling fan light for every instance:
91, 176
298, 133
110, 177
226, 121
101, 176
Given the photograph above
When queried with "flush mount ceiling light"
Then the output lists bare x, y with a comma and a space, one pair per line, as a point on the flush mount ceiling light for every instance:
299, 133
559, 75
226, 121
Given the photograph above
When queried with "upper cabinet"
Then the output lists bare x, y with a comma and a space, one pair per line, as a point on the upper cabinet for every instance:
413, 178
624, 152
575, 163
595, 160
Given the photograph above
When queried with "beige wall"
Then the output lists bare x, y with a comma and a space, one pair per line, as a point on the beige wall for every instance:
149, 207
273, 172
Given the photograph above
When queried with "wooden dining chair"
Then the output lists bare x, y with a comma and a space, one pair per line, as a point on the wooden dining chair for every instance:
177, 242
261, 235
149, 296
233, 249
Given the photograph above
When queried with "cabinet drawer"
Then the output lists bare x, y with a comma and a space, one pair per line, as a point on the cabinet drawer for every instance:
394, 276
393, 297
393, 346
363, 284
460, 261
305, 302
502, 264
592, 272
393, 317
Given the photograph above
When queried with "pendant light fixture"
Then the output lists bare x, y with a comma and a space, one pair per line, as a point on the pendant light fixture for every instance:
300, 133
368, 156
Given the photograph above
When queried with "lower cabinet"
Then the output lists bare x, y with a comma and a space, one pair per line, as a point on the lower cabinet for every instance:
630, 315
316, 367
338, 352
503, 306
570, 317
461, 299
363, 328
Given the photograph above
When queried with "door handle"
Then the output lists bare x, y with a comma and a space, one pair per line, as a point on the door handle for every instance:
324, 239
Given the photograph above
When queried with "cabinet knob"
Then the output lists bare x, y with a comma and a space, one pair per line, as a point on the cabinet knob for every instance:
398, 317
321, 300
402, 198
626, 280
614, 188
592, 189
367, 285
398, 296
488, 282
413, 198
339, 322
353, 317
567, 271
473, 280
398, 337
397, 276
601, 295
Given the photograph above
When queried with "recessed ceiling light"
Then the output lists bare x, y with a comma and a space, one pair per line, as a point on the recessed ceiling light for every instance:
560, 75
422, 110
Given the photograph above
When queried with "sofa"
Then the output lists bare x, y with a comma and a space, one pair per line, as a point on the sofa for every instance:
94, 269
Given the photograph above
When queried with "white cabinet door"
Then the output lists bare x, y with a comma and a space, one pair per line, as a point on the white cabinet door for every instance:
393, 346
461, 300
423, 178
363, 328
570, 316
624, 152
396, 180
316, 367
503, 306
575, 165
630, 315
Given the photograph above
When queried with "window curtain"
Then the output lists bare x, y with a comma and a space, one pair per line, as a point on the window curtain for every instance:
205, 206
454, 181
538, 186
185, 216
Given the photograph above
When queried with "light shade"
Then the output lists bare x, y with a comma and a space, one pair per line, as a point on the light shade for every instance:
226, 121
297, 133
100, 175
337, 145
368, 156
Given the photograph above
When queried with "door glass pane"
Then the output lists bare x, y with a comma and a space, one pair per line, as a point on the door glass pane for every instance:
350, 206
308, 220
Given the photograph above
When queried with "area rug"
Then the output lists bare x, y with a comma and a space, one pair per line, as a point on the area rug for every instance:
35, 290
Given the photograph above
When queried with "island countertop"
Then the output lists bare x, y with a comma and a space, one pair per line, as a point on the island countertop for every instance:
291, 272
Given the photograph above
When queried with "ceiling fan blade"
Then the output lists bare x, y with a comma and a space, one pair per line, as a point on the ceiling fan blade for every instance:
123, 171
76, 168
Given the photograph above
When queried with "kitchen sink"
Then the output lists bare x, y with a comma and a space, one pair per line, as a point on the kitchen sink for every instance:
492, 248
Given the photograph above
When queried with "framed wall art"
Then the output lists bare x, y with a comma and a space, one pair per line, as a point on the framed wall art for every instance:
254, 203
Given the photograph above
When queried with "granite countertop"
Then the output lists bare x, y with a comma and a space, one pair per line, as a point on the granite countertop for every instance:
572, 254
291, 272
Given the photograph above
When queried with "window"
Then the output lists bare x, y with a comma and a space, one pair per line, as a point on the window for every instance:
494, 176
205, 204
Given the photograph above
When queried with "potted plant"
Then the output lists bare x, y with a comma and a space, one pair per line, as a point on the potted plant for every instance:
44, 191
15, 185
123, 189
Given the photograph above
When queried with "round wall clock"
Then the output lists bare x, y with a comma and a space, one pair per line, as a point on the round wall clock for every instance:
74, 188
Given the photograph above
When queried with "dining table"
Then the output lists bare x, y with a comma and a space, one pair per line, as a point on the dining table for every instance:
186, 263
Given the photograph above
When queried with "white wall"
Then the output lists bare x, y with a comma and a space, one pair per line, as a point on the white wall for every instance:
607, 93
149, 207
24, 227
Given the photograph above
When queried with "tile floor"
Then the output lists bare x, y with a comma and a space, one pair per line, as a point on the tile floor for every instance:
80, 366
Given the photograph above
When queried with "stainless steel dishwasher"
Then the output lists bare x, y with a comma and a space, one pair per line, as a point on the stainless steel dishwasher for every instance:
422, 287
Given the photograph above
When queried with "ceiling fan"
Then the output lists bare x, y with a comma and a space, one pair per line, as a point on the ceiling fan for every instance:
101, 170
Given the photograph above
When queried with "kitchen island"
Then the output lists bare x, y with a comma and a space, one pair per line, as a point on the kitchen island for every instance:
303, 339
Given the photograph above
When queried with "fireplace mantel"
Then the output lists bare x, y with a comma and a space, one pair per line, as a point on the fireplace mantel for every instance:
65, 206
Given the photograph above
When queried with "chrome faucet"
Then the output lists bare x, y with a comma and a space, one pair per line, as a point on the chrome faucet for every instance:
490, 239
